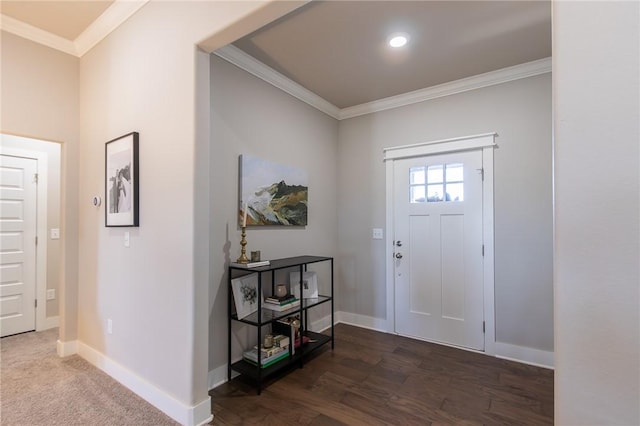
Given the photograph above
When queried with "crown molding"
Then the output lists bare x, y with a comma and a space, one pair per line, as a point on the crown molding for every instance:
24, 30
239, 58
112, 18
248, 63
528, 69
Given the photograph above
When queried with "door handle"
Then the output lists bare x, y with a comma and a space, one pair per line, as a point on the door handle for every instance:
398, 255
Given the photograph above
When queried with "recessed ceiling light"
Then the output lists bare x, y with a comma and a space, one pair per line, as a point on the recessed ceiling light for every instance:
398, 39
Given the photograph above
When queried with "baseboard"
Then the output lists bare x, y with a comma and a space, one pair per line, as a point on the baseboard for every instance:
218, 376
67, 348
524, 355
362, 321
201, 413
321, 325
183, 414
51, 322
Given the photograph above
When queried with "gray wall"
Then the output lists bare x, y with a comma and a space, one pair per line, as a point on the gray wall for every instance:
249, 116
520, 112
344, 160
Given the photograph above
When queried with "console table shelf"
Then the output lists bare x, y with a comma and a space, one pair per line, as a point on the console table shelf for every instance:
267, 317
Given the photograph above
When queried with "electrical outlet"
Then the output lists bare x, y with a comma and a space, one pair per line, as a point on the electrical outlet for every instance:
51, 294
377, 233
109, 326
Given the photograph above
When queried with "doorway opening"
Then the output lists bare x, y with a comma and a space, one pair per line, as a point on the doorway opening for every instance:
30, 227
440, 275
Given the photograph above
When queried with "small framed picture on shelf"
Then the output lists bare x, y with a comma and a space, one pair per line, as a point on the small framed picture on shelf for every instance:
309, 284
245, 294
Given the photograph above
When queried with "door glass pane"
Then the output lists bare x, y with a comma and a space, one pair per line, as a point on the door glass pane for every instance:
417, 194
455, 172
434, 192
416, 175
435, 174
455, 191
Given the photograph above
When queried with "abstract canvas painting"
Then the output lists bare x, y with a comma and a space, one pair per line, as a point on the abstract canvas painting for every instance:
272, 193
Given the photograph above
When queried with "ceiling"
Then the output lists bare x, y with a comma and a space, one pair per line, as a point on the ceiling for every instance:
338, 49
66, 19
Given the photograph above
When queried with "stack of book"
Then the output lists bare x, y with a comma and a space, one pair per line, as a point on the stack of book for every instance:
269, 356
281, 303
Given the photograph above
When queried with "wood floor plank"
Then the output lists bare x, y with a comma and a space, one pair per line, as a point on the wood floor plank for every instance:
331, 409
381, 412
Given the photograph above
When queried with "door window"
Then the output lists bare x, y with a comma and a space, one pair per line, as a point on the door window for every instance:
436, 183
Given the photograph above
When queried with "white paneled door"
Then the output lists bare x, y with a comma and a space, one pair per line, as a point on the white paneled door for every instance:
438, 251
18, 195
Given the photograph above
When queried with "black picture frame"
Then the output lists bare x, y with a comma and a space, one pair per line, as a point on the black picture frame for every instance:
122, 198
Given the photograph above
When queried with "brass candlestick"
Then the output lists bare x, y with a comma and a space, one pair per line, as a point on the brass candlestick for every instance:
243, 251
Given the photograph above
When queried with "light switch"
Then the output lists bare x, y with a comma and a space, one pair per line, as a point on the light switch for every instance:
51, 294
127, 240
377, 233
55, 234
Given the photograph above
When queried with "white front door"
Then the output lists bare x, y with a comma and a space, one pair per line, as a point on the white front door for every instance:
438, 250
18, 195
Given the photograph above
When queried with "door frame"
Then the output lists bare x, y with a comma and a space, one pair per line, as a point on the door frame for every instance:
41, 229
486, 143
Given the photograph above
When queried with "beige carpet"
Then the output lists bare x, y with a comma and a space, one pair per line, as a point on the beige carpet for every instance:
39, 388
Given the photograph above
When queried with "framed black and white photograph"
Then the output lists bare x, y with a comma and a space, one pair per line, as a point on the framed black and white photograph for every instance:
121, 179
245, 294
309, 284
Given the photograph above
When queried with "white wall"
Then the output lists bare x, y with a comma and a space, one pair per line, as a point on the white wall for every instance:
143, 77
249, 116
520, 112
40, 100
597, 190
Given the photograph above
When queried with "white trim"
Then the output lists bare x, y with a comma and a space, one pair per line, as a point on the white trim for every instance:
321, 324
362, 321
390, 220
24, 30
51, 322
485, 142
218, 376
251, 65
41, 225
248, 63
65, 349
488, 261
463, 143
516, 72
184, 414
200, 414
112, 18
525, 355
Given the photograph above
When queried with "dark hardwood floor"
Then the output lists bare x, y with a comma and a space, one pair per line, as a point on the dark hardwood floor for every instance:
373, 378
